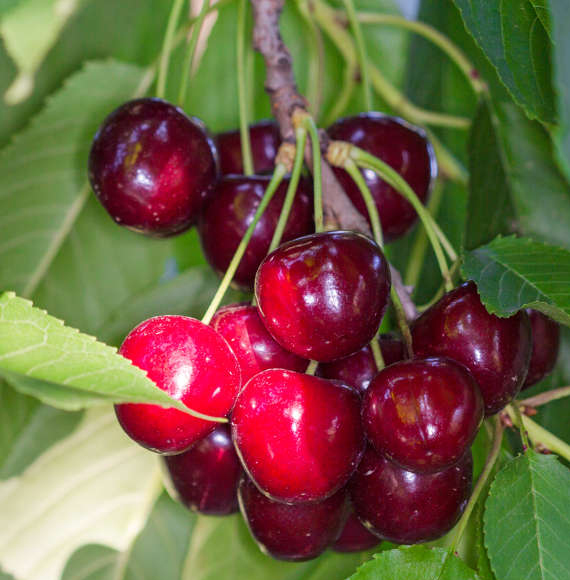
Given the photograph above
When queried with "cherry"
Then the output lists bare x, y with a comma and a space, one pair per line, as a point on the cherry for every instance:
405, 507
299, 437
193, 364
495, 350
205, 478
405, 148
355, 537
254, 347
152, 167
423, 414
358, 369
265, 140
292, 532
545, 346
323, 296
230, 211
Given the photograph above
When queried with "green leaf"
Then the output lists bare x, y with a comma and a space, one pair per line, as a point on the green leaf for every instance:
7, 5
92, 562
514, 273
526, 519
95, 486
37, 345
27, 429
414, 563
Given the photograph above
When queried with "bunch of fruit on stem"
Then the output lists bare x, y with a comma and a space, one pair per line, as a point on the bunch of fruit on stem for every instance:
343, 455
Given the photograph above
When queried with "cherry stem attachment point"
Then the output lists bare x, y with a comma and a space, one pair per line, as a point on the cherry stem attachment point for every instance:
167, 47
242, 92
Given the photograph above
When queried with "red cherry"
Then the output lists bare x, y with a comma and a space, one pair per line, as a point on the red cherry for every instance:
495, 350
152, 167
323, 296
193, 364
423, 414
406, 507
292, 532
402, 146
254, 347
355, 537
299, 437
545, 347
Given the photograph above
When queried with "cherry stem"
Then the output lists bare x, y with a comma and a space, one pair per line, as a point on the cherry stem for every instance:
167, 46
377, 354
309, 124
312, 367
242, 91
278, 174
520, 424
546, 397
402, 321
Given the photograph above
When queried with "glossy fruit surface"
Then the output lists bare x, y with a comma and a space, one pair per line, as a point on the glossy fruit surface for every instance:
355, 537
423, 414
545, 347
192, 363
405, 148
358, 369
152, 167
292, 532
323, 296
255, 349
495, 350
405, 507
265, 140
205, 478
299, 437
230, 211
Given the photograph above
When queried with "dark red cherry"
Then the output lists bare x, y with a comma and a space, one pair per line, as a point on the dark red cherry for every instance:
358, 369
230, 211
205, 478
355, 537
299, 437
423, 414
292, 532
265, 140
323, 296
192, 363
254, 347
402, 146
151, 167
405, 507
495, 350
545, 346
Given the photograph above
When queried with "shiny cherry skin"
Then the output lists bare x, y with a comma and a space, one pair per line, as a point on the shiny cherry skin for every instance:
323, 296
358, 369
402, 146
299, 437
229, 212
495, 350
255, 349
355, 537
152, 167
405, 507
423, 413
265, 140
193, 364
205, 478
292, 532
545, 347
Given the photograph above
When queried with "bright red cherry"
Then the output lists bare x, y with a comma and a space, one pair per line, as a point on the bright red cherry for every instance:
323, 296
358, 369
545, 347
193, 364
265, 140
255, 349
402, 146
423, 414
292, 532
151, 167
355, 537
230, 211
299, 437
495, 350
405, 507
205, 478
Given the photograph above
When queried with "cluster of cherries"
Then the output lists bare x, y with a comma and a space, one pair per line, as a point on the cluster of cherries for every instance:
344, 457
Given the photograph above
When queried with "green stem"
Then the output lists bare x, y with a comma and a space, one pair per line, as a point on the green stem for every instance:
312, 367
310, 126
242, 92
402, 322
520, 423
377, 354
167, 46
342, 100
279, 173
546, 397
